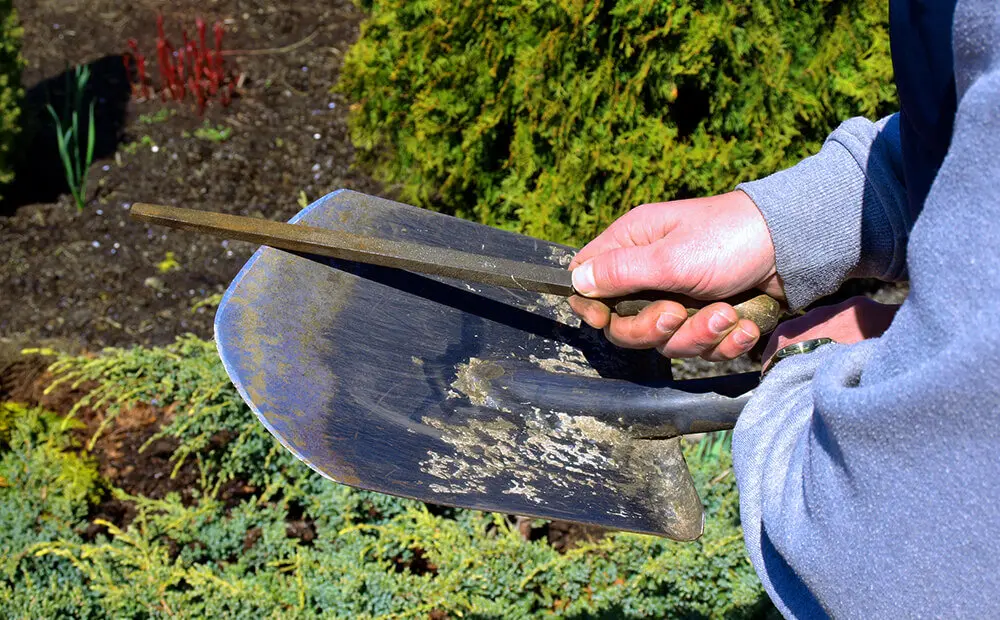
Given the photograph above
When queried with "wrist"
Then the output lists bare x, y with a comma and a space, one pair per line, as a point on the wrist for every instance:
762, 244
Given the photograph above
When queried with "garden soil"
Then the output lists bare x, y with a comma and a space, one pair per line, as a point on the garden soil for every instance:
95, 278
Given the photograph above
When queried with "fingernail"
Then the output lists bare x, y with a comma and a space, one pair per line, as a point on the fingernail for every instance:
742, 337
668, 322
719, 322
583, 279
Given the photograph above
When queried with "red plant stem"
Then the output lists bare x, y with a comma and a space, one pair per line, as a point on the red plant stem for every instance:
128, 71
211, 76
164, 66
217, 29
197, 73
176, 87
200, 24
133, 46
196, 62
198, 93
162, 56
187, 53
181, 62
194, 55
194, 67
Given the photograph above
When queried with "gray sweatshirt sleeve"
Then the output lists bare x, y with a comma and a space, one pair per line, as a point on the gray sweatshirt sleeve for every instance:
868, 473
839, 214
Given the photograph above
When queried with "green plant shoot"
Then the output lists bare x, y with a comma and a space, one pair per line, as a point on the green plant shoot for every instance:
76, 165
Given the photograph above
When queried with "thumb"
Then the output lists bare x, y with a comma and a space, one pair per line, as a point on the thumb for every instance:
618, 272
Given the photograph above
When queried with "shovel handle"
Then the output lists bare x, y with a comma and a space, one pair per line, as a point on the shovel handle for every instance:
763, 310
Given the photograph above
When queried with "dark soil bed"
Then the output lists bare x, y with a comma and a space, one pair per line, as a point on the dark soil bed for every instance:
96, 278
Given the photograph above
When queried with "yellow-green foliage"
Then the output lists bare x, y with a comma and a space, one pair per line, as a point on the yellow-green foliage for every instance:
372, 556
552, 118
11, 94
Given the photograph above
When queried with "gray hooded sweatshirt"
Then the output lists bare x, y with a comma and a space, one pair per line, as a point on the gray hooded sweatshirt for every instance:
869, 474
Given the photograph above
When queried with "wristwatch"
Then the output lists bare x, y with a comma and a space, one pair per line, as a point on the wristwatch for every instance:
806, 346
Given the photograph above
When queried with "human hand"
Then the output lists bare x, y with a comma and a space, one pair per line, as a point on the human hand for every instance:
707, 248
854, 320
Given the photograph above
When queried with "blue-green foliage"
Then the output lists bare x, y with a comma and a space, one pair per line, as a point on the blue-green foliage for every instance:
45, 491
368, 555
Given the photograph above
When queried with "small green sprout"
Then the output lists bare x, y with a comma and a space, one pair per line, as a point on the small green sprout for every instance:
168, 264
160, 116
216, 134
76, 164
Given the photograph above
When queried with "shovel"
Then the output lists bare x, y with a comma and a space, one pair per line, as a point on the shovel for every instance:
408, 352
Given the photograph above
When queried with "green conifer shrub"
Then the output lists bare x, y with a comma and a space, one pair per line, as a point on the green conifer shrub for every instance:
370, 556
553, 118
11, 93
46, 489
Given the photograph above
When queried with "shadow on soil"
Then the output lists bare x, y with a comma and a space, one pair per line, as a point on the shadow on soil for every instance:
39, 175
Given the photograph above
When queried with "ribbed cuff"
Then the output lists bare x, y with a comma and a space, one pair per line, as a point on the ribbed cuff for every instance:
814, 212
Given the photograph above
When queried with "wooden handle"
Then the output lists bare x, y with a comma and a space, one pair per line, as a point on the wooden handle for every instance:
763, 310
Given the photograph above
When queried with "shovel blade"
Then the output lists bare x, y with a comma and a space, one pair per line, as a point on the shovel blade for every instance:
382, 379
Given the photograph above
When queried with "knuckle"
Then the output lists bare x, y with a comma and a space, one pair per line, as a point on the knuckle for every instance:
703, 337
619, 332
636, 333
642, 332
619, 272
642, 210
715, 356
668, 327
607, 272
609, 333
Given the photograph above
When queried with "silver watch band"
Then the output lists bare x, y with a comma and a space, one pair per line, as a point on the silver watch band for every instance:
806, 346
